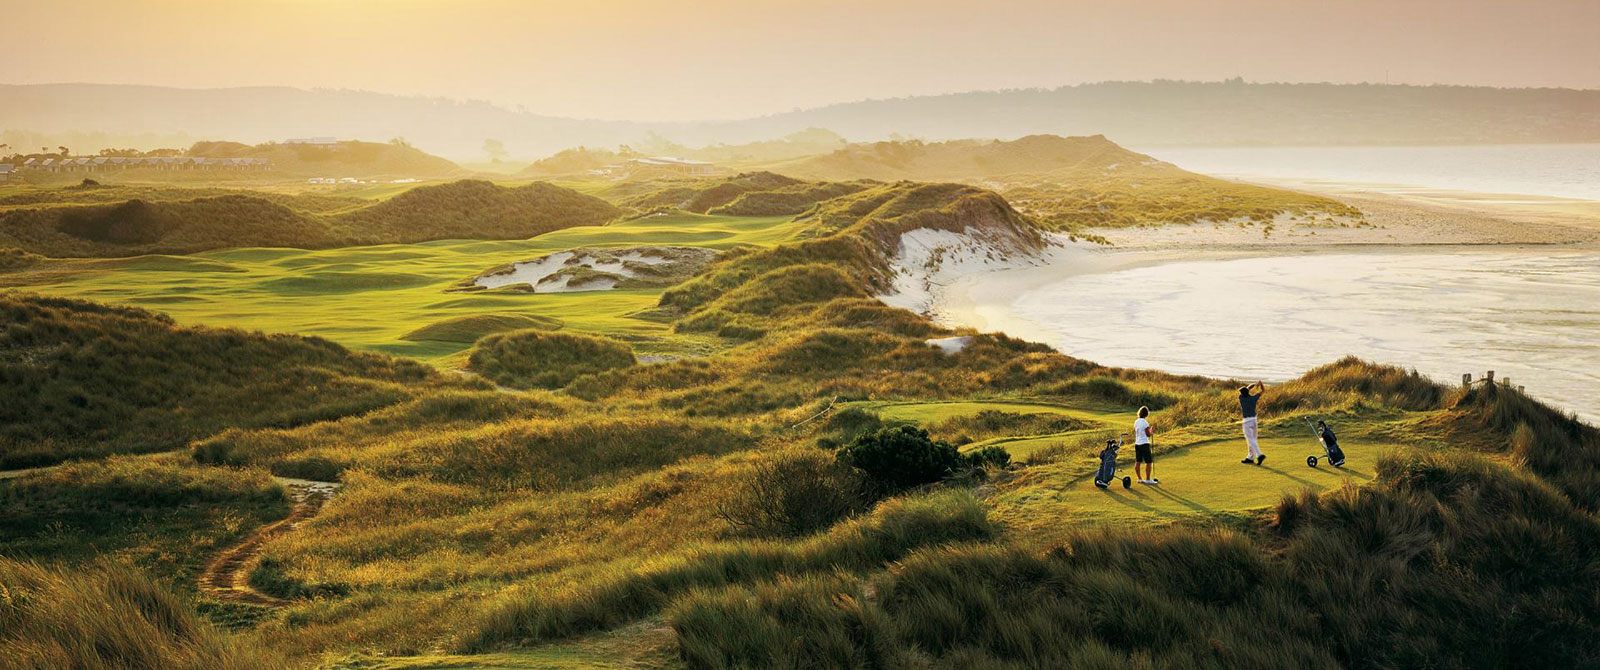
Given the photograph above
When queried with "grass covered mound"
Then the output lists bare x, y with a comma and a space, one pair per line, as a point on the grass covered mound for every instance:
137, 227
153, 512
701, 195
100, 194
854, 238
471, 328
1073, 183
348, 158
1159, 194
745, 194
107, 617
965, 160
176, 221
16, 259
82, 379
475, 209
540, 359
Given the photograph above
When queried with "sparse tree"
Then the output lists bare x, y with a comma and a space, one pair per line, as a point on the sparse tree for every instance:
64, 151
495, 148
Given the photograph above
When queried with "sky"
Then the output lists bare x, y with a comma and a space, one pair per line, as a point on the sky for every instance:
678, 60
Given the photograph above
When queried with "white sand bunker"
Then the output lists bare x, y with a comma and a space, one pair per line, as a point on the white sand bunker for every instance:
951, 345
599, 270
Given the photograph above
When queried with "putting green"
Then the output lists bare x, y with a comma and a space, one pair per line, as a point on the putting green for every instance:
1203, 479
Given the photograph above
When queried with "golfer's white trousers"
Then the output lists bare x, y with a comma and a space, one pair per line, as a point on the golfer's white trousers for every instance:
1250, 437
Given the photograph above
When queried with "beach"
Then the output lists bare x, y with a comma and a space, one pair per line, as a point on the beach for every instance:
1443, 288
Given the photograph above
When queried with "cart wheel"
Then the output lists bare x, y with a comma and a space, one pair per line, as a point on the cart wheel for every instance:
1127, 482
1311, 461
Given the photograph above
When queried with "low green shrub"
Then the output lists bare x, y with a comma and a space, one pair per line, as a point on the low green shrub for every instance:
901, 457
990, 457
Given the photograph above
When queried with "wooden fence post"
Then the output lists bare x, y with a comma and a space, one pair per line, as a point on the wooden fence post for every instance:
1466, 380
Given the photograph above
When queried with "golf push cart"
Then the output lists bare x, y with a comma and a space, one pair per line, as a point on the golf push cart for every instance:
1108, 465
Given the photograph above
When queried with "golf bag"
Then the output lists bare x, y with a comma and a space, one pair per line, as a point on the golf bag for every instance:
1108, 467
1330, 447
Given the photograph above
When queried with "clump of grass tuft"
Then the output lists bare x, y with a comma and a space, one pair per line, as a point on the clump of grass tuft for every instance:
887, 534
107, 617
793, 493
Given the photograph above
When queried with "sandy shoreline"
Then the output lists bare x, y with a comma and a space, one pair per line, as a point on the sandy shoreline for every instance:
1415, 221
1411, 218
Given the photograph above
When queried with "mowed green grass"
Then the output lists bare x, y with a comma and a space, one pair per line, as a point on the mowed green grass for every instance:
371, 297
1205, 480
1200, 473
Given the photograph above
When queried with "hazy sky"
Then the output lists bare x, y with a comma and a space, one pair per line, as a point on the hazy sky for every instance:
702, 59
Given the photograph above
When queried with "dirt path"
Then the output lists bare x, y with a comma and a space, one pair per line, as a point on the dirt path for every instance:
227, 576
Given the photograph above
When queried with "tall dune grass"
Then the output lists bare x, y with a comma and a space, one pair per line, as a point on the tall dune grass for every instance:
108, 617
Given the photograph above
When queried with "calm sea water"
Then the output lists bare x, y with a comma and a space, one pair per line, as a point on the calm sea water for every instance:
1561, 170
1533, 317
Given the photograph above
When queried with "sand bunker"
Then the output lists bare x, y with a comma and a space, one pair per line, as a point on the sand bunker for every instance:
598, 270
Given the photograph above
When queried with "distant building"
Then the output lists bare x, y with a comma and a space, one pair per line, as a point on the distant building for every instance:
6, 171
319, 141
686, 166
104, 163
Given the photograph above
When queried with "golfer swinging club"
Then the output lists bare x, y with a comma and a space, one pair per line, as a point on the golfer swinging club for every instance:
1247, 404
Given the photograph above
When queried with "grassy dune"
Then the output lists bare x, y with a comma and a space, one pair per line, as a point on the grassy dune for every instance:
1074, 183
83, 379
83, 222
599, 519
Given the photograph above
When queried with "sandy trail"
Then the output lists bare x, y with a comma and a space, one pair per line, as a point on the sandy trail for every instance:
227, 576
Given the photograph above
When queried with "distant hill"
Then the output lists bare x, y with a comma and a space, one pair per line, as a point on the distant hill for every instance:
135, 227
967, 160
1135, 113
458, 210
578, 161
1073, 183
744, 194
341, 159
472, 209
